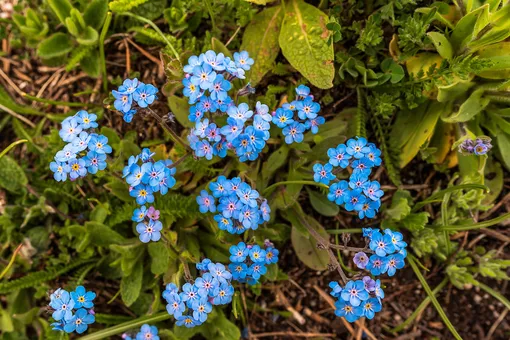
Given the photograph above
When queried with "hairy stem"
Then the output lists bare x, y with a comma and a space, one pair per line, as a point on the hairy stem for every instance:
168, 129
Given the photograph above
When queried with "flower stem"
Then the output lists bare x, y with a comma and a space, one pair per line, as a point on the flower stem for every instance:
270, 188
105, 333
56, 102
102, 57
179, 161
342, 231
168, 129
365, 250
12, 145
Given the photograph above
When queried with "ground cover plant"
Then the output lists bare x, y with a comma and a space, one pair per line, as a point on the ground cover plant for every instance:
247, 169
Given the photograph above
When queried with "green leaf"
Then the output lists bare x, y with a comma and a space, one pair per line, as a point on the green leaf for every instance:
160, 257
503, 142
321, 204
260, 2
475, 104
90, 64
88, 37
12, 176
218, 46
415, 222
119, 188
276, 160
62, 8
102, 235
131, 285
464, 28
306, 247
95, 13
442, 45
493, 180
399, 209
260, 39
55, 45
304, 43
180, 108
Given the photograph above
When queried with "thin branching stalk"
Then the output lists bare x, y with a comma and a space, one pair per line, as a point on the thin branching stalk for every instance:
167, 128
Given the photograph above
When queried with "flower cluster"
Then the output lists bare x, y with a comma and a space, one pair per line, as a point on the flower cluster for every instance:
239, 206
364, 297
249, 261
359, 193
207, 83
72, 311
147, 332
133, 94
479, 147
144, 180
389, 252
77, 132
191, 304
298, 116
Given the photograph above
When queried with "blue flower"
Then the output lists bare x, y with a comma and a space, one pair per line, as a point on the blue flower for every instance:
338, 192
354, 292
233, 69
63, 306
60, 170
139, 214
394, 262
224, 104
82, 298
206, 104
257, 269
369, 283
373, 190
256, 138
283, 117
243, 60
367, 232
70, 129
129, 86
187, 321
192, 62
219, 272
357, 148
201, 308
336, 289
290, 106
249, 217
215, 61
265, 211
294, 133
153, 173
223, 294
206, 285
239, 270
99, 144
170, 289
376, 265
204, 149
353, 198
147, 333
347, 311
247, 195
195, 114
146, 155
233, 128
361, 166
203, 76
303, 91
233, 185
145, 95
212, 133
175, 306
123, 101
357, 181
374, 155
220, 149
189, 294
79, 322
307, 108
322, 173
361, 260
230, 206
396, 239
370, 307
191, 91
223, 222
167, 182
379, 293
241, 112
128, 116
367, 209
95, 161
86, 120
206, 202
143, 194
239, 252
66, 154
203, 265
271, 255
242, 144
313, 124
77, 168
135, 175
220, 87
338, 156
257, 254
381, 244
219, 188
58, 326
261, 124
149, 232
263, 111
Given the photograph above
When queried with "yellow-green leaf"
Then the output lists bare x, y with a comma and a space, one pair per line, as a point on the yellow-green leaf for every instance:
304, 42
443, 46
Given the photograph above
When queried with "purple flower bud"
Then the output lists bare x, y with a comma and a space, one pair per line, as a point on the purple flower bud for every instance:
268, 243
467, 146
361, 260
152, 213
369, 284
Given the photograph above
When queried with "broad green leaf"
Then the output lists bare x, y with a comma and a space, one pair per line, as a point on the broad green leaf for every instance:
95, 13
119, 188
62, 8
415, 222
493, 179
218, 47
465, 27
451, 92
443, 46
399, 209
180, 109
103, 235
90, 64
55, 45
499, 55
226, 329
503, 142
276, 160
131, 285
470, 108
321, 204
12, 176
306, 247
260, 2
160, 257
495, 35
88, 37
111, 134
304, 43
99, 213
260, 39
